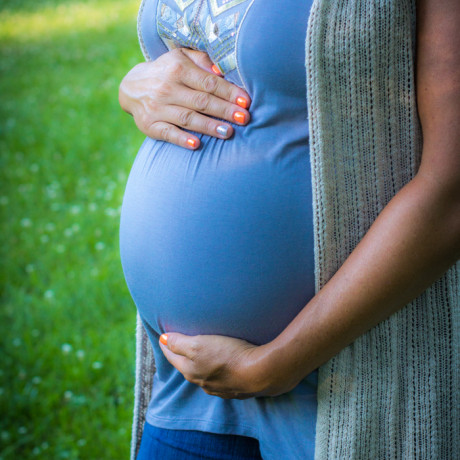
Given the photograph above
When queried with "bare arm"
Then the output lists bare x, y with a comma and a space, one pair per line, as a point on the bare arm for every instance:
414, 240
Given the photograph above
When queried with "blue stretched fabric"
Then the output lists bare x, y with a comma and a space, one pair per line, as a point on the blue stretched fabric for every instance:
220, 240
165, 444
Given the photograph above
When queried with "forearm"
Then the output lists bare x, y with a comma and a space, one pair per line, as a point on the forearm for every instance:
411, 244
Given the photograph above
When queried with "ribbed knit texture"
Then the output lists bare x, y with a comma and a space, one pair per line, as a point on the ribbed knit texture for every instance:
394, 393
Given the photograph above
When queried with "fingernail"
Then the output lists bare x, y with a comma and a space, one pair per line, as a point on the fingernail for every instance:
216, 70
239, 117
222, 130
242, 102
192, 142
164, 339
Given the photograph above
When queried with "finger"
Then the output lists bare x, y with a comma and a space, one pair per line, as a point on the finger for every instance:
199, 58
168, 132
227, 395
181, 363
196, 78
194, 121
180, 344
211, 105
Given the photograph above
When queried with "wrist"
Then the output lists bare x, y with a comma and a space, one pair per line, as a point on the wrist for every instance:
270, 371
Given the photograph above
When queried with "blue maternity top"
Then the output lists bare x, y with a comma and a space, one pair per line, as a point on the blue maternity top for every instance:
220, 240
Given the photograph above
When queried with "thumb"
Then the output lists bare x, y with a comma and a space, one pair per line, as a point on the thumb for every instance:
200, 59
178, 343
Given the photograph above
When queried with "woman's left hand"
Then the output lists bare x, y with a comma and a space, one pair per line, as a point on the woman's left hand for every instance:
222, 366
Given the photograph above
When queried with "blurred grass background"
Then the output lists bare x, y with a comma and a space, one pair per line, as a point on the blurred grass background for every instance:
67, 322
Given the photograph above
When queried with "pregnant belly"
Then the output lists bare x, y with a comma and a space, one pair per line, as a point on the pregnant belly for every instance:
218, 242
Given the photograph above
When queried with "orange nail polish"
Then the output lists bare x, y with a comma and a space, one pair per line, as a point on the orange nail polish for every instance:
242, 102
191, 142
216, 70
164, 339
239, 117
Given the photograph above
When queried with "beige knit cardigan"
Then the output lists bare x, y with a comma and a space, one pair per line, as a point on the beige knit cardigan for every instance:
395, 392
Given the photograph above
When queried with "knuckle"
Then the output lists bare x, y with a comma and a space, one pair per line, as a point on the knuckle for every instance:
210, 83
189, 378
202, 101
209, 126
165, 133
142, 121
185, 118
229, 93
195, 380
194, 350
176, 67
164, 89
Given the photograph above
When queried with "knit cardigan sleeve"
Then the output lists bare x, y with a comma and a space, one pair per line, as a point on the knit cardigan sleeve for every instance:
394, 393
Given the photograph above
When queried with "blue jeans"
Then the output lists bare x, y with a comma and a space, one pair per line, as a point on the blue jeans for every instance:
165, 444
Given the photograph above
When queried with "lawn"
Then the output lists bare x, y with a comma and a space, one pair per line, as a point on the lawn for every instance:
67, 320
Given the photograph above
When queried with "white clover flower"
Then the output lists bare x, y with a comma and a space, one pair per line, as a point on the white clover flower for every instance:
44, 238
45, 445
68, 232
81, 442
24, 188
36, 451
68, 395
75, 209
22, 430
60, 248
51, 193
80, 354
96, 365
50, 227
36, 380
110, 212
34, 168
100, 245
49, 294
17, 342
30, 268
26, 222
66, 348
22, 375
5, 435
92, 207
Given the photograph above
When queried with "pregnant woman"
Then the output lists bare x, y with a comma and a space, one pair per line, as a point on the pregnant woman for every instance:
224, 227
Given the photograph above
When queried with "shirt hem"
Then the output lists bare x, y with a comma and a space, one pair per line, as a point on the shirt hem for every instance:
209, 426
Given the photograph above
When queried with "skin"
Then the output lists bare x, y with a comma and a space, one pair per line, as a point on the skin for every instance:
414, 240
178, 90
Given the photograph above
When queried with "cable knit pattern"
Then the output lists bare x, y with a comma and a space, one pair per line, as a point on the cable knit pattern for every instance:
394, 393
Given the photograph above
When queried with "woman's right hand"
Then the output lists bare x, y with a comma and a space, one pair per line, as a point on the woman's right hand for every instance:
180, 90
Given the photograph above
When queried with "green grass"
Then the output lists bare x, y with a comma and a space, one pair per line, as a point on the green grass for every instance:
66, 319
